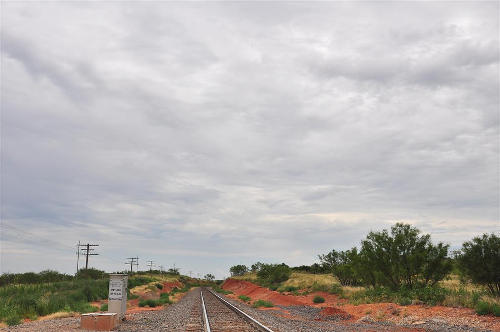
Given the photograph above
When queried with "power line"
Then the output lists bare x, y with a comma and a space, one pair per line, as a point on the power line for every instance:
133, 261
87, 250
150, 264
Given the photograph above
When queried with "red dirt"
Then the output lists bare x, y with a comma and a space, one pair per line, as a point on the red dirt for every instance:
412, 314
168, 286
331, 311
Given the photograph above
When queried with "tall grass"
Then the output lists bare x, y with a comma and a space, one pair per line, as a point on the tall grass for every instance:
33, 300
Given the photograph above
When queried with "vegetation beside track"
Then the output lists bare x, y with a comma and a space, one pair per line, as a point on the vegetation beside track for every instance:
31, 295
401, 266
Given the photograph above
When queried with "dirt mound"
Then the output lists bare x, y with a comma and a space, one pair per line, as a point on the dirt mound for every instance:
255, 292
331, 313
169, 285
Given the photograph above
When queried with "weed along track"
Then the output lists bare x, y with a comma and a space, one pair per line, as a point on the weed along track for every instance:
215, 314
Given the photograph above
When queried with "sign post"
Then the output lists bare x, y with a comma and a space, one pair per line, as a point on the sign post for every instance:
117, 299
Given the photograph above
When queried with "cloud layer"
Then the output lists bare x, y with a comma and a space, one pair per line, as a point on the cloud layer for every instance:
212, 134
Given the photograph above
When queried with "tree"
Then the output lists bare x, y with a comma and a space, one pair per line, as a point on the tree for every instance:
274, 273
256, 266
479, 259
209, 277
404, 257
238, 270
343, 265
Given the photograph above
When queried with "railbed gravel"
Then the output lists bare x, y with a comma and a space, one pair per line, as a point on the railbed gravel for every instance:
175, 317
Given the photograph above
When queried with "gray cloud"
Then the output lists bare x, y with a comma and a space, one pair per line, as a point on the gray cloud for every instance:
207, 134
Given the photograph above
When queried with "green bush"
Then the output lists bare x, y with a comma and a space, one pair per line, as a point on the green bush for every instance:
159, 286
164, 299
479, 260
496, 310
244, 298
142, 303
238, 270
91, 274
138, 281
402, 257
274, 273
104, 307
485, 308
13, 320
318, 299
262, 303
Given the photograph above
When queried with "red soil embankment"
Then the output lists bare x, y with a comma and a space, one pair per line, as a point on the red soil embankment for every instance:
411, 314
255, 292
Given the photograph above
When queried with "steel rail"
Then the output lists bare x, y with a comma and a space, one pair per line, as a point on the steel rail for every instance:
239, 312
205, 317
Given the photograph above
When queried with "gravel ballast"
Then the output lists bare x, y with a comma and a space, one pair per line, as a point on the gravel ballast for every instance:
176, 317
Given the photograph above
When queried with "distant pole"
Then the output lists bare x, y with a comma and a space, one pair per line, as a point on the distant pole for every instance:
132, 261
77, 255
87, 251
150, 264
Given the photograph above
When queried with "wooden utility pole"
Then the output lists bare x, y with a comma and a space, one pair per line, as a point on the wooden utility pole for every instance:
77, 255
87, 251
150, 264
133, 261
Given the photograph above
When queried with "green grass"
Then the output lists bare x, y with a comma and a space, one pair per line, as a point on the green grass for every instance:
164, 299
262, 303
104, 307
222, 291
318, 299
32, 300
486, 308
244, 298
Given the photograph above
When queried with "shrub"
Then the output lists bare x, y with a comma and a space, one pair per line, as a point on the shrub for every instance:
142, 303
164, 299
244, 298
159, 286
404, 257
238, 270
13, 319
138, 281
91, 274
318, 299
274, 273
262, 303
343, 265
479, 259
104, 307
483, 308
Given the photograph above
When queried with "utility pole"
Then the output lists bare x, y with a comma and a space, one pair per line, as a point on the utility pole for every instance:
190, 273
133, 261
87, 251
150, 264
77, 255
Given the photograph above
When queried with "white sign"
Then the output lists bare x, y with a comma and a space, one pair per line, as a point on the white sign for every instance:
116, 290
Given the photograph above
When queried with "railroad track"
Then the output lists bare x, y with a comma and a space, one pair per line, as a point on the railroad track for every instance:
215, 314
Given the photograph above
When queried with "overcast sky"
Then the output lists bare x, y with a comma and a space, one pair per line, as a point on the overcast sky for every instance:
213, 134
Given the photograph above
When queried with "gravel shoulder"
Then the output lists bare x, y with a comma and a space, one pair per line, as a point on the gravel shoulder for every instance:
175, 318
